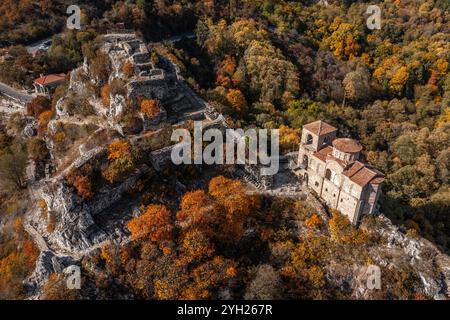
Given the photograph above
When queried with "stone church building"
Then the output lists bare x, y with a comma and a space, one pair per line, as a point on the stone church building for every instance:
332, 167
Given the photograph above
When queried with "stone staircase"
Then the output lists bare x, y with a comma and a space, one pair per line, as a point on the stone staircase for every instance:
250, 179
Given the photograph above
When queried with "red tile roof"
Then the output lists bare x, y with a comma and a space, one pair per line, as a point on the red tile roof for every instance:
50, 79
378, 180
322, 154
319, 127
362, 174
327, 154
347, 145
354, 168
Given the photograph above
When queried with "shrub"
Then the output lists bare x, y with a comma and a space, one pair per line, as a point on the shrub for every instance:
37, 149
44, 119
105, 95
38, 105
150, 108
82, 185
128, 69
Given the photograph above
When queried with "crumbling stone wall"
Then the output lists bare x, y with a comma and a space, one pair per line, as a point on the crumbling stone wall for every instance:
149, 89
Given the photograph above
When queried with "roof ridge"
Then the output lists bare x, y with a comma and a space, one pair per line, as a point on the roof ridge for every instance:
359, 169
369, 167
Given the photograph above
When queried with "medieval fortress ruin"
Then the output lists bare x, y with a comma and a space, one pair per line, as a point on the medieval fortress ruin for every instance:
83, 226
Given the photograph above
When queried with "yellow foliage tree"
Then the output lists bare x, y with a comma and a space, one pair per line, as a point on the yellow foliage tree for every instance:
43, 120
314, 221
399, 79
442, 67
342, 231
120, 160
118, 150
289, 138
237, 101
344, 40
444, 119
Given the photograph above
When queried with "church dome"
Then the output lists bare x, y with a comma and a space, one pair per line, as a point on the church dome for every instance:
347, 145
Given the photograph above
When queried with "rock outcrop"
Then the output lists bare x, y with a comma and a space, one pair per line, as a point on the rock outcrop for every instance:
395, 251
76, 231
46, 264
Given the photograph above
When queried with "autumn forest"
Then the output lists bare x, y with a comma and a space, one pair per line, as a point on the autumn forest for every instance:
270, 64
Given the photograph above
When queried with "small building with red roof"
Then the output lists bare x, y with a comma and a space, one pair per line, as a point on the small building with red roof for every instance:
45, 84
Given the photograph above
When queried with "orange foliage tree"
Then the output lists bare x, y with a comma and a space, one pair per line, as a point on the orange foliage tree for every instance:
107, 254
118, 150
30, 253
128, 69
43, 120
196, 246
229, 65
233, 204
15, 265
226, 72
212, 274
18, 225
195, 209
82, 184
314, 221
155, 224
38, 105
223, 81
149, 107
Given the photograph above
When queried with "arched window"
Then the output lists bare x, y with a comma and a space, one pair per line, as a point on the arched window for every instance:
305, 161
328, 174
309, 139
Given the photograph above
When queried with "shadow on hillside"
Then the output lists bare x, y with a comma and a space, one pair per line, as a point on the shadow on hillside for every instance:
431, 219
